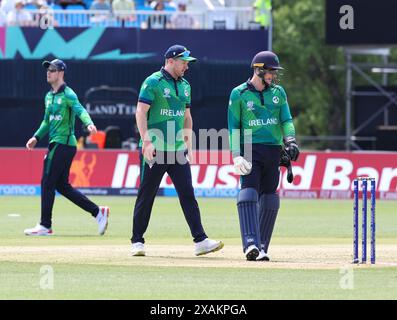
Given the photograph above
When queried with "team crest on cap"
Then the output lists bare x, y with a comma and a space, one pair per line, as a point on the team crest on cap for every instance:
250, 106
167, 92
276, 100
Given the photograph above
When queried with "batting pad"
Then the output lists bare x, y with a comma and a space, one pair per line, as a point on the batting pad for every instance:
247, 205
269, 204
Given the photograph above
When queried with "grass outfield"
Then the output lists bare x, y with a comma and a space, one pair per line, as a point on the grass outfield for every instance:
311, 253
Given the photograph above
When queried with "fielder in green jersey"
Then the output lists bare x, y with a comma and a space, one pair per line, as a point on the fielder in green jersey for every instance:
168, 102
61, 108
165, 126
260, 124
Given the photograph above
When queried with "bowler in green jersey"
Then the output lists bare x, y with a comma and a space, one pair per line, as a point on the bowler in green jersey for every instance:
260, 123
165, 125
61, 108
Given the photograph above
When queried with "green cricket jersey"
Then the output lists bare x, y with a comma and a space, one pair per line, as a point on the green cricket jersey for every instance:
168, 99
258, 117
61, 109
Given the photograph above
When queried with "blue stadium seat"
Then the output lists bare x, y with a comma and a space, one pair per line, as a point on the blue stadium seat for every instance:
169, 8
139, 3
30, 6
75, 7
56, 6
146, 8
88, 3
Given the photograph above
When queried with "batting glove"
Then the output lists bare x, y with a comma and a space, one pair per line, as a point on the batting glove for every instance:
242, 167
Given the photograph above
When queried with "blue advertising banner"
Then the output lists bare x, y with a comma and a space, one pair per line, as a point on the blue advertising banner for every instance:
32, 190
99, 43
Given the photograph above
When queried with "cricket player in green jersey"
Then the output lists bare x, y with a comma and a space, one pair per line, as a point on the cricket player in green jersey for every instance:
260, 123
61, 108
165, 125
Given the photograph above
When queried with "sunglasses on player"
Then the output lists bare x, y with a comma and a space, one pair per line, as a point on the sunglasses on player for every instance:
184, 54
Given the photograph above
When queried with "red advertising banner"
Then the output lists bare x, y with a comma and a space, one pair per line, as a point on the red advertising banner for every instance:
317, 174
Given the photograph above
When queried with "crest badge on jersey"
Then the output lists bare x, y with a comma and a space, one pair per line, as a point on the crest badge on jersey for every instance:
276, 100
186, 93
166, 93
59, 101
250, 106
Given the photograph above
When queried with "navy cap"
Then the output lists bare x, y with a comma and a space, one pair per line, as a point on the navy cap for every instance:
57, 63
179, 52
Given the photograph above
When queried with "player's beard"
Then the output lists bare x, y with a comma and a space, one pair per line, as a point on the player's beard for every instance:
181, 73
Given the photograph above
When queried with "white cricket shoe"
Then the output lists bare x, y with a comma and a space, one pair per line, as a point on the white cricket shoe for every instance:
251, 253
138, 249
263, 256
207, 246
38, 230
102, 219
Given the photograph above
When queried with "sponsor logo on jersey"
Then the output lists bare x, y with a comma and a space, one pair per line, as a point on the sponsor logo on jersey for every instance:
166, 93
263, 122
57, 117
172, 113
250, 106
276, 100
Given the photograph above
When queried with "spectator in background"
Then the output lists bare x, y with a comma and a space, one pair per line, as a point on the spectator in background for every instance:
157, 21
100, 5
263, 12
123, 10
181, 19
7, 6
19, 16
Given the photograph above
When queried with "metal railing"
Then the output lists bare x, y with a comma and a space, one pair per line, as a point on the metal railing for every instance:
225, 18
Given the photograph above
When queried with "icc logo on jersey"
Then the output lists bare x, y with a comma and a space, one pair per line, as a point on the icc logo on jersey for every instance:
276, 100
250, 105
166, 93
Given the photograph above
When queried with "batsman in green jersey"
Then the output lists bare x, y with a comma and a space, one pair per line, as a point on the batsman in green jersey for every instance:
260, 123
165, 126
61, 108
